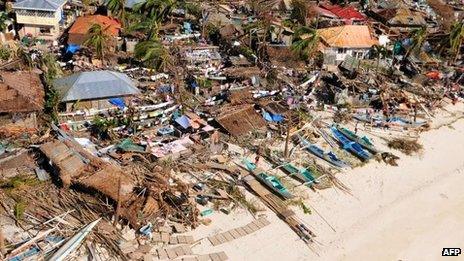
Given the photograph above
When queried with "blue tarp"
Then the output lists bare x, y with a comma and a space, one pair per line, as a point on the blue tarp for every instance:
73, 48
119, 102
272, 117
188, 28
183, 121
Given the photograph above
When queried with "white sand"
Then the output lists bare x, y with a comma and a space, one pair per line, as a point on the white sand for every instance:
409, 212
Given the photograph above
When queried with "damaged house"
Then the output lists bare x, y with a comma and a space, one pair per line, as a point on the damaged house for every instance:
340, 41
401, 18
241, 120
96, 90
78, 33
21, 98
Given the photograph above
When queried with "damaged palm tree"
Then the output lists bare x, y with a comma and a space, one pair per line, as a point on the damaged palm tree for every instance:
306, 41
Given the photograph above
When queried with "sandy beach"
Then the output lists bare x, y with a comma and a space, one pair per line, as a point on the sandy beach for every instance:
408, 212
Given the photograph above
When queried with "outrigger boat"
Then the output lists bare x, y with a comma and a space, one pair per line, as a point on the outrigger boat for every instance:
330, 157
363, 141
382, 121
349, 145
270, 181
303, 175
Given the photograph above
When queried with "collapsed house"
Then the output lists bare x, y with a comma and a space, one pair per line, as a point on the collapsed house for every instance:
22, 98
402, 19
78, 33
241, 120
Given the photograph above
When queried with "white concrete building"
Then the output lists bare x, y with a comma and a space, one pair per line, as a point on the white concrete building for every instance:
340, 41
39, 18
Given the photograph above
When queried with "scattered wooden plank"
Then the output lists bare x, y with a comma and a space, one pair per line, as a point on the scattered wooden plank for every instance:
228, 236
171, 253
214, 240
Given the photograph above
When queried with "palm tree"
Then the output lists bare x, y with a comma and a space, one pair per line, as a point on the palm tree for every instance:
3, 21
97, 39
418, 37
379, 52
150, 27
305, 42
50, 67
156, 8
456, 38
117, 8
153, 54
299, 11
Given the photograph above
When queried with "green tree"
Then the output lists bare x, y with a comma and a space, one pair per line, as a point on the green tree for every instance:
305, 42
50, 67
379, 52
418, 37
153, 54
299, 11
97, 39
150, 27
3, 21
117, 8
456, 38
156, 8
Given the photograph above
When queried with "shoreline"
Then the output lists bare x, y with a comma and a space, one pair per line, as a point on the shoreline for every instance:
381, 218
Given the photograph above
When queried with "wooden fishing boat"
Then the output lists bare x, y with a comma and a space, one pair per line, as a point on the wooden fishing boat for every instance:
268, 180
350, 146
330, 157
363, 141
303, 175
381, 121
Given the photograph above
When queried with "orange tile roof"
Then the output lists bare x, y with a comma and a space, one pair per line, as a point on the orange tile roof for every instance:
83, 23
348, 36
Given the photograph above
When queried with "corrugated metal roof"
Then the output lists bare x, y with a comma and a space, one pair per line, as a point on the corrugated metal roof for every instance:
42, 5
130, 3
94, 85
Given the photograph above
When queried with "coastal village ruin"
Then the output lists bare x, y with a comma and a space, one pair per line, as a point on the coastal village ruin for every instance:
128, 128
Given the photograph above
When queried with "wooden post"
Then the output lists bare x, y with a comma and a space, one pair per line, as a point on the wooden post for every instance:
287, 139
118, 203
2, 244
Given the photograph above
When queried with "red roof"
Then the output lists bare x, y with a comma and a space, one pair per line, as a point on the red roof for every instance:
83, 23
347, 12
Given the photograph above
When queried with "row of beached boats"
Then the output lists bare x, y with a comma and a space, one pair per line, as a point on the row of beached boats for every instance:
361, 147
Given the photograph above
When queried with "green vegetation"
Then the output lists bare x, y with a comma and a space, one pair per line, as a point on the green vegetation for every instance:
97, 40
5, 54
305, 42
19, 209
153, 54
117, 9
102, 127
299, 11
